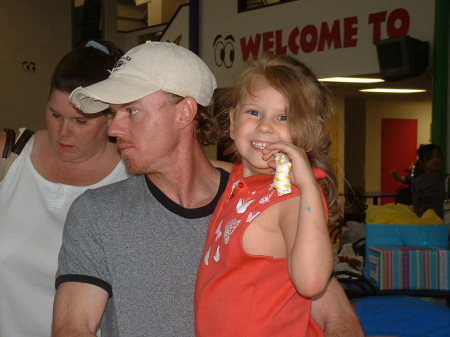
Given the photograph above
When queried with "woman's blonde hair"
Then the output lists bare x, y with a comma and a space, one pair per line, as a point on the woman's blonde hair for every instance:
309, 108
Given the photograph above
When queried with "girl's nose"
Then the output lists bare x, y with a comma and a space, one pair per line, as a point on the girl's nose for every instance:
265, 125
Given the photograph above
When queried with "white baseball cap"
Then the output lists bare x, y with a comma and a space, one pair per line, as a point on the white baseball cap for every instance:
146, 69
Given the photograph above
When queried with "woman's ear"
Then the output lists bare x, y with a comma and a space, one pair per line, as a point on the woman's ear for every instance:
232, 114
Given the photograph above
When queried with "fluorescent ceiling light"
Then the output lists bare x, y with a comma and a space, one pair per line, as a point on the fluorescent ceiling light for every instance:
351, 80
394, 91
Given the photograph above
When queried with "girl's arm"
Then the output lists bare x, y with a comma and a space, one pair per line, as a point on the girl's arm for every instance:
309, 251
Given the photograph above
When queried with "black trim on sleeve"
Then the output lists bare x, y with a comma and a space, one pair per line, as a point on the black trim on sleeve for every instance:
189, 213
84, 279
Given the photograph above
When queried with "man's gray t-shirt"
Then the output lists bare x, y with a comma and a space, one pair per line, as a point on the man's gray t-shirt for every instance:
141, 247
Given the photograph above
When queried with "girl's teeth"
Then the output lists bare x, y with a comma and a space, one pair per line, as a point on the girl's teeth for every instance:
259, 145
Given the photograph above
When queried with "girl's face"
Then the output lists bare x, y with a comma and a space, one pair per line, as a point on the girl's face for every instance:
74, 136
259, 119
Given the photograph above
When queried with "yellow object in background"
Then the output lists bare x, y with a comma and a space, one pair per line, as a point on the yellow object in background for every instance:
398, 214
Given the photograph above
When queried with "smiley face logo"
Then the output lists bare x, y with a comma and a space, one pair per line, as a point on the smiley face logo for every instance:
224, 50
29, 67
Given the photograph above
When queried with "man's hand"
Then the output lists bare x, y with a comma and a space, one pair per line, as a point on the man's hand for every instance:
334, 314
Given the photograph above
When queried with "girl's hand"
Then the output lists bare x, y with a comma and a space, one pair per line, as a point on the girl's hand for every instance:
301, 172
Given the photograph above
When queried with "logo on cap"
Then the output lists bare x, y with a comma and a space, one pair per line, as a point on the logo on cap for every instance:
121, 63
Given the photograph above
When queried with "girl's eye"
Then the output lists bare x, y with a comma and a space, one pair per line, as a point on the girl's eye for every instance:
133, 111
282, 117
253, 112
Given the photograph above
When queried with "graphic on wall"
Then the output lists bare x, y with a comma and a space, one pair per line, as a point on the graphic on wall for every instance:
224, 50
29, 67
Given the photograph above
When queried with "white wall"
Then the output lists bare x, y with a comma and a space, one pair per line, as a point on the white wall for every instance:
298, 27
30, 31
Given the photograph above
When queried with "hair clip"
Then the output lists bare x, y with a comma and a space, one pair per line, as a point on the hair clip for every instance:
96, 45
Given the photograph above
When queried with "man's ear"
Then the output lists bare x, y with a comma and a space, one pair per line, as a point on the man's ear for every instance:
186, 110
232, 114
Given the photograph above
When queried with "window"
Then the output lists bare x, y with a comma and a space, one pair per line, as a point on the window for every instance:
246, 5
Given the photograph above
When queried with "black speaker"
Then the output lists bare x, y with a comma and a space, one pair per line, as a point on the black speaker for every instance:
402, 57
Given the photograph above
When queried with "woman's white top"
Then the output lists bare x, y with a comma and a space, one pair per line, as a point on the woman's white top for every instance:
32, 215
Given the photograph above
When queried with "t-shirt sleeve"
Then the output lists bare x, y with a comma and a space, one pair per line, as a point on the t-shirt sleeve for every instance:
82, 256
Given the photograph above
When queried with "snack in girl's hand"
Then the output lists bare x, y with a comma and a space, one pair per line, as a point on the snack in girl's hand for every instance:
281, 181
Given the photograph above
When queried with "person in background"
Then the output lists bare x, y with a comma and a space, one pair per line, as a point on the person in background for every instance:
428, 189
57, 164
131, 249
404, 193
268, 245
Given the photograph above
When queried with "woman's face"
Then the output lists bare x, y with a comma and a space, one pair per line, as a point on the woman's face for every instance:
74, 136
434, 162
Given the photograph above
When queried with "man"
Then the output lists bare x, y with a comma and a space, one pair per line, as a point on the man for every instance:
130, 251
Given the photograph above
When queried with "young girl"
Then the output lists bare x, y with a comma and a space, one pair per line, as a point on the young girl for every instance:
266, 255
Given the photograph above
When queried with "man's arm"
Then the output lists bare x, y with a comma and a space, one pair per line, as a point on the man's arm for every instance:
334, 313
78, 309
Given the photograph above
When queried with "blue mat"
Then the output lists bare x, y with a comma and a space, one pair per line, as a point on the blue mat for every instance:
403, 316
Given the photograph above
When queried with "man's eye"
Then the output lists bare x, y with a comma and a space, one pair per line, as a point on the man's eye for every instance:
56, 115
133, 111
81, 121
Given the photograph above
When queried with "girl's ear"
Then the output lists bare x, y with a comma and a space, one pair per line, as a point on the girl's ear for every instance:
232, 114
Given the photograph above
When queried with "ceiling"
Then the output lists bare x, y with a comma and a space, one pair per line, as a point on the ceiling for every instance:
423, 81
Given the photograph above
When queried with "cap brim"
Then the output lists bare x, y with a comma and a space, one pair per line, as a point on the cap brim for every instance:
99, 96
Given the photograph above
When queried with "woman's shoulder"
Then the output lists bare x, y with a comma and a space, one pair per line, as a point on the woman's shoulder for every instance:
3, 136
2, 141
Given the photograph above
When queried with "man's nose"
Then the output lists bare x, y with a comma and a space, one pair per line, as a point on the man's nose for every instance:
115, 125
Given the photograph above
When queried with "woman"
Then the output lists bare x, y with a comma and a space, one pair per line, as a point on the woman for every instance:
428, 190
73, 154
